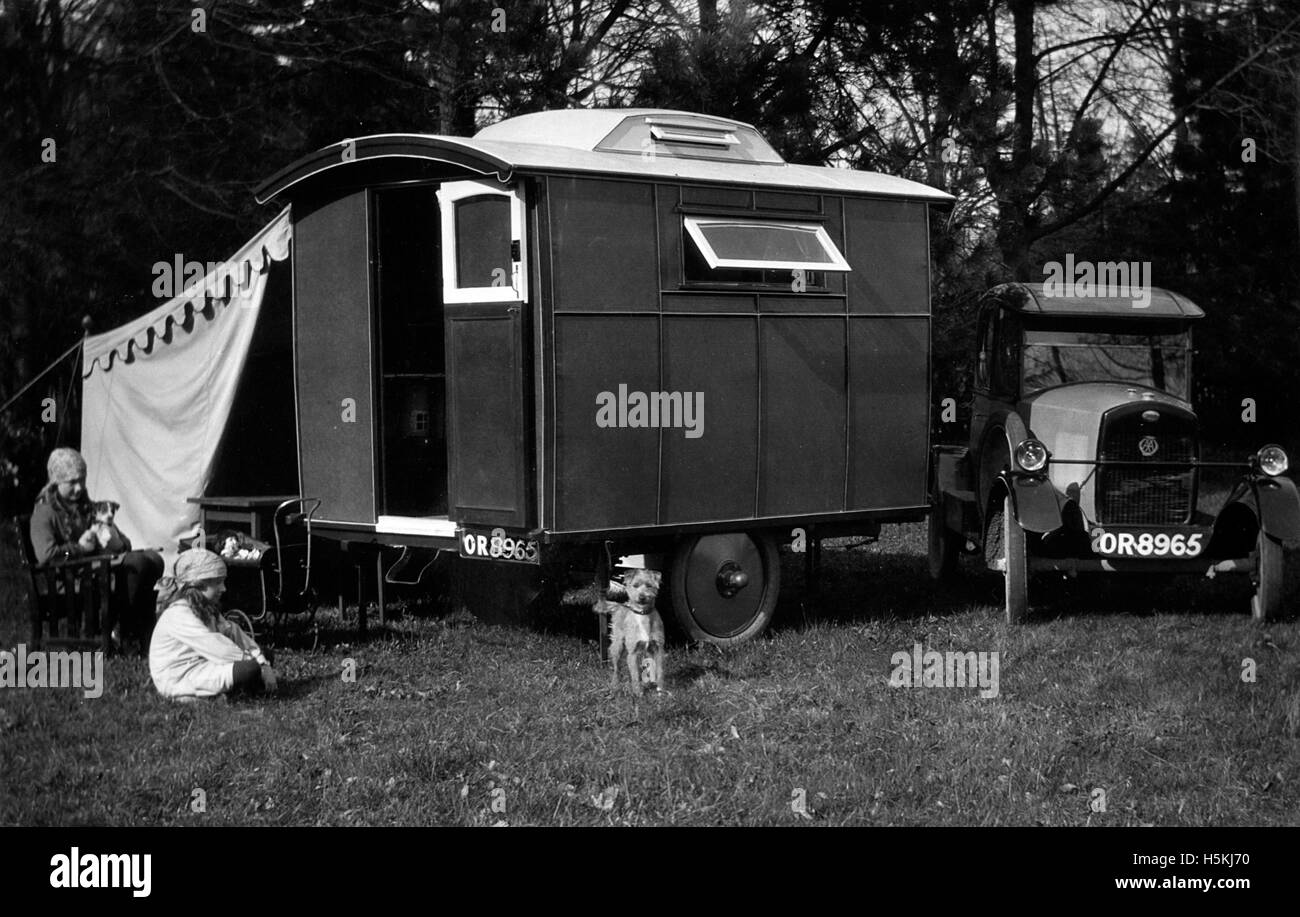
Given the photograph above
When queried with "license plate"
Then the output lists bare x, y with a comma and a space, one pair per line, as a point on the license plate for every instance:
497, 545
1137, 543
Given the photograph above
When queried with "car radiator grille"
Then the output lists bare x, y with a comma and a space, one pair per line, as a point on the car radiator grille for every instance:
1160, 495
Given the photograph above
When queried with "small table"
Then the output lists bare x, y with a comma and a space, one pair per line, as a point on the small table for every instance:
252, 512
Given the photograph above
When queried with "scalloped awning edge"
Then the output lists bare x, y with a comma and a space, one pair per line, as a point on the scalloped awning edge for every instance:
221, 288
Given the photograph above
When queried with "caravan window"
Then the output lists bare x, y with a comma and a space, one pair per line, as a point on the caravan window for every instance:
765, 245
483, 242
758, 252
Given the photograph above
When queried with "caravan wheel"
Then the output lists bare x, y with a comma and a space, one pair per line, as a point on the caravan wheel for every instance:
723, 588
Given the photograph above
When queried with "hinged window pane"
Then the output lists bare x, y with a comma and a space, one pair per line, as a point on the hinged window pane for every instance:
733, 243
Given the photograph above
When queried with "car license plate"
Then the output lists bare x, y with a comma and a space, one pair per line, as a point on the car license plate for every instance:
497, 545
1137, 543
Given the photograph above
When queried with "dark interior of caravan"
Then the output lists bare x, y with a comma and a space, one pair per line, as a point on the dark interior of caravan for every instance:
411, 357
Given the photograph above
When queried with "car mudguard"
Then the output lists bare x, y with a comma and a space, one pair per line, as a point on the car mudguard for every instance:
951, 470
1038, 504
1279, 508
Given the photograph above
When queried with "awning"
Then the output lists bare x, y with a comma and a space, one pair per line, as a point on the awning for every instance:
231, 284
157, 393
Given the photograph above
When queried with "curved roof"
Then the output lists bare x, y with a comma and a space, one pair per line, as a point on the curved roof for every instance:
592, 128
642, 143
1126, 302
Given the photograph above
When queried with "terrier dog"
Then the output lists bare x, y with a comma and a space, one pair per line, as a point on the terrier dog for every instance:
637, 629
105, 530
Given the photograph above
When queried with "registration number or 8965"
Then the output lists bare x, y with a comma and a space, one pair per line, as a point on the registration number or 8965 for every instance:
498, 546
1145, 544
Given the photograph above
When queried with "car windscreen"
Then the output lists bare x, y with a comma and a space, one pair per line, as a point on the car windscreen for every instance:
1160, 360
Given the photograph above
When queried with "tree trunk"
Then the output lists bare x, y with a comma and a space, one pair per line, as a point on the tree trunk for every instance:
1295, 146
1013, 182
709, 17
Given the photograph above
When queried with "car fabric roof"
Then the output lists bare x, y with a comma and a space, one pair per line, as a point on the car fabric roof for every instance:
1044, 299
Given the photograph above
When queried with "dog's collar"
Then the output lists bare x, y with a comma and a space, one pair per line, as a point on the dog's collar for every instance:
637, 611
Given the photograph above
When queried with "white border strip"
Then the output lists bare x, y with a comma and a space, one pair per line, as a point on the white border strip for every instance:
441, 527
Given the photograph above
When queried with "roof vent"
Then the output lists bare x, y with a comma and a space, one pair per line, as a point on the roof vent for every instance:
687, 136
682, 132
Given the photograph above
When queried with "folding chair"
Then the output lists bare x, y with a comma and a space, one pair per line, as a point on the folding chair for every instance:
286, 569
69, 600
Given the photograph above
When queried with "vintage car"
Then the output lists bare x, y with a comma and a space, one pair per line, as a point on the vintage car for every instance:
1084, 454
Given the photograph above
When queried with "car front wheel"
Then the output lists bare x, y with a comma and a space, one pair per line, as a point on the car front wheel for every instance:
1006, 550
1266, 605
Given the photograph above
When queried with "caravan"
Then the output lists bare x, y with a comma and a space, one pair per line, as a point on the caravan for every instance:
461, 306
504, 348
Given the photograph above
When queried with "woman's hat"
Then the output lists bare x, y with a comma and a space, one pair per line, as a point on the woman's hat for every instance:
65, 465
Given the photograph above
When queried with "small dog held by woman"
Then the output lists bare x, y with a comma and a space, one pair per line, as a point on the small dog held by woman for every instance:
104, 527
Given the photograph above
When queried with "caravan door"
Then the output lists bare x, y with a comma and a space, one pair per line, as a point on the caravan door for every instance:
485, 288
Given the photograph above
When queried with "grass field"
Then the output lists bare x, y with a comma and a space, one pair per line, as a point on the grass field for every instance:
1123, 703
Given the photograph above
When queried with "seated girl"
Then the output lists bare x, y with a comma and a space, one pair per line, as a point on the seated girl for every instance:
195, 651
64, 525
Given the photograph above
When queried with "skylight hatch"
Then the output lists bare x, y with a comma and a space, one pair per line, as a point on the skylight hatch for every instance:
681, 135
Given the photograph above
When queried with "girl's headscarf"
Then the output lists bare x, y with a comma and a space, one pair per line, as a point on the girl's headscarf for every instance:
71, 517
193, 568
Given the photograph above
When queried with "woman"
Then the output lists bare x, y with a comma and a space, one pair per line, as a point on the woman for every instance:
196, 652
61, 527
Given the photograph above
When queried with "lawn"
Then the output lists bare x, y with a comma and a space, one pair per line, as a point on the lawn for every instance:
1123, 703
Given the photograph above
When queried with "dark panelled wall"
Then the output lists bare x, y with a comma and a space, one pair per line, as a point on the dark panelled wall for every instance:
814, 402
889, 251
888, 379
604, 246
607, 477
803, 416
712, 476
333, 357
889, 333
604, 262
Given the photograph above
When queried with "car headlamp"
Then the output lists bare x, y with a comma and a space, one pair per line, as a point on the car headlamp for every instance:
1272, 460
1031, 455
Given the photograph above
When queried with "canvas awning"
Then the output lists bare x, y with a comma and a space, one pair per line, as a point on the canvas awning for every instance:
157, 392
